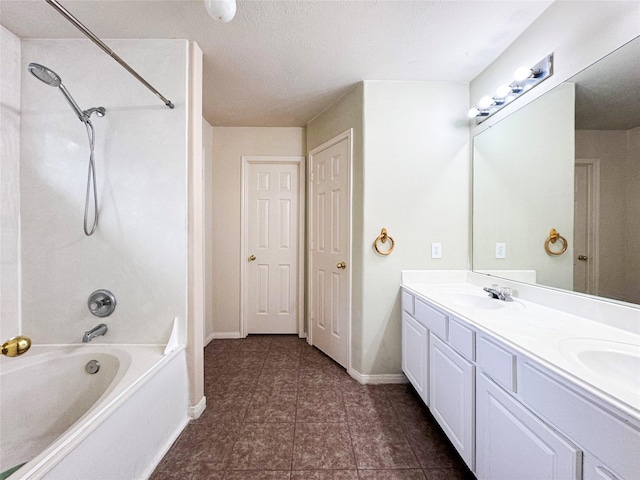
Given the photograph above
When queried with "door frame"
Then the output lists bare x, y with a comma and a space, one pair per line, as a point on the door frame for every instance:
248, 160
348, 135
593, 205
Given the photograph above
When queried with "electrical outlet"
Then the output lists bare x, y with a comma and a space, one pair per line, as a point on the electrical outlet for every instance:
436, 250
501, 250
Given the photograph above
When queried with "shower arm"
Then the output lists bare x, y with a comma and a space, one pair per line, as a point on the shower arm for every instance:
66, 14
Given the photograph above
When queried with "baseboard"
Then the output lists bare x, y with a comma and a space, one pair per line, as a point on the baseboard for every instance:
207, 340
196, 410
379, 378
225, 335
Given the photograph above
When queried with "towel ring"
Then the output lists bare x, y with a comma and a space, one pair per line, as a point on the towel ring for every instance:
553, 237
383, 238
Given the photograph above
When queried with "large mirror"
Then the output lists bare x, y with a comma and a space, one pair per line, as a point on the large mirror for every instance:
568, 161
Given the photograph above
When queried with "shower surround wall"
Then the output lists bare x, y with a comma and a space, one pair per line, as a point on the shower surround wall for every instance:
139, 250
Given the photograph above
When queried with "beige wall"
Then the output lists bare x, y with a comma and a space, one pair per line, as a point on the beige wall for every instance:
523, 174
619, 208
229, 145
410, 175
207, 153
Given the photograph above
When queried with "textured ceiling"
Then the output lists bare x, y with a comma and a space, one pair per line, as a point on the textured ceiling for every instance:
280, 63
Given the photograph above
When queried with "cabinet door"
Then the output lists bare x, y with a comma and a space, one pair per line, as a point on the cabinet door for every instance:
415, 344
512, 443
451, 388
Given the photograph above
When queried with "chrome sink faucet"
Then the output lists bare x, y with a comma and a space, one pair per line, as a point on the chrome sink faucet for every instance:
94, 332
499, 293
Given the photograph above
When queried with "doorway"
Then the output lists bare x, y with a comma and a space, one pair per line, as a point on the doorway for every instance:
329, 280
272, 274
586, 225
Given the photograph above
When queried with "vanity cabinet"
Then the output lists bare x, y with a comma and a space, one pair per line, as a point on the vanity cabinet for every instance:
513, 443
415, 354
451, 394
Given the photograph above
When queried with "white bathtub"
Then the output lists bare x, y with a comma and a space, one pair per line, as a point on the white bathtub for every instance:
63, 422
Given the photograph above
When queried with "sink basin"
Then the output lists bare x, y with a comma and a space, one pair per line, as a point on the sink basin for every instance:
615, 362
466, 298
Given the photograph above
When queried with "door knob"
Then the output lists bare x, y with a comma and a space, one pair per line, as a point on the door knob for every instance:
252, 258
342, 265
582, 258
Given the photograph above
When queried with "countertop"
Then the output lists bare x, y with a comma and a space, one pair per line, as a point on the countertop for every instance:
551, 337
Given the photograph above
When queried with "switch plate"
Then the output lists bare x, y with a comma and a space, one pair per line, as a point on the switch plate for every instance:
436, 250
501, 250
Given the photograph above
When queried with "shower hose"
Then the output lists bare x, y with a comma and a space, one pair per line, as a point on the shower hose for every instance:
91, 181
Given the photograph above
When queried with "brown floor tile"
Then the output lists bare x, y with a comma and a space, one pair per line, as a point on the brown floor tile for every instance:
430, 445
409, 474
319, 446
227, 407
448, 474
263, 446
275, 406
325, 475
320, 405
258, 475
373, 430
376, 454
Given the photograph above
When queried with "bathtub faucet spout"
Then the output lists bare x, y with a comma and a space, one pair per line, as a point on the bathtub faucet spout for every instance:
94, 332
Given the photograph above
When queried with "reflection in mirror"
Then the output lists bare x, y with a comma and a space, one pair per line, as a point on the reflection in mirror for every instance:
569, 161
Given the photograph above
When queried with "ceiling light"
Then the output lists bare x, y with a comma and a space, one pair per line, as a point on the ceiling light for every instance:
221, 10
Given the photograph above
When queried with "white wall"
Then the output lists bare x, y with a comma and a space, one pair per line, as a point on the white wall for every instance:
523, 176
229, 145
10, 75
411, 176
207, 150
139, 250
619, 208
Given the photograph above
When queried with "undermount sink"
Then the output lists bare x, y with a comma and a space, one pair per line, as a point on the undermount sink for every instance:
615, 362
466, 298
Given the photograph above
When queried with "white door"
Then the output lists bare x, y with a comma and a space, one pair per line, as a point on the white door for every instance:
272, 247
330, 240
415, 354
585, 261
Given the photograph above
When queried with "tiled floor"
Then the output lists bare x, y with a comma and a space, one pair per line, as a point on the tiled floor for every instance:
280, 409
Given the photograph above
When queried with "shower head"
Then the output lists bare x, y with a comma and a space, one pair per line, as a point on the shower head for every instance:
50, 77
45, 74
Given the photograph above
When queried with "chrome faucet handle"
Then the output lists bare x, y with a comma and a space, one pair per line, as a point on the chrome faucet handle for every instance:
505, 294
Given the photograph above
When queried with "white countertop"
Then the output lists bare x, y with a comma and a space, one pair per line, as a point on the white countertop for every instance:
549, 336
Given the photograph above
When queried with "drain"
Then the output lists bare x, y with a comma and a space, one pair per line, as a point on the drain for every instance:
93, 366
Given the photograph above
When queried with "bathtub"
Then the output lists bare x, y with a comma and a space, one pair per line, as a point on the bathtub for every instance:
59, 421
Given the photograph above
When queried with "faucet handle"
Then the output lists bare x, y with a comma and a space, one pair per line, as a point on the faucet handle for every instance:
505, 292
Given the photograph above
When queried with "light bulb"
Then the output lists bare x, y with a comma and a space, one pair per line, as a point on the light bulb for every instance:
473, 112
522, 73
485, 102
221, 10
503, 91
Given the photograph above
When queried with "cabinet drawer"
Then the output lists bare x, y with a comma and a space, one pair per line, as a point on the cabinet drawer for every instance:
497, 362
407, 303
462, 339
608, 437
432, 319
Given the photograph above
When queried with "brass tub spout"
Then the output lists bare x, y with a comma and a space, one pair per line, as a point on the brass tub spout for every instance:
16, 346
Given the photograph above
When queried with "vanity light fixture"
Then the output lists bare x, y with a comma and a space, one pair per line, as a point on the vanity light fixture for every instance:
524, 79
221, 10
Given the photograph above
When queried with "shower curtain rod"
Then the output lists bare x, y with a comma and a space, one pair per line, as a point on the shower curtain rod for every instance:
66, 14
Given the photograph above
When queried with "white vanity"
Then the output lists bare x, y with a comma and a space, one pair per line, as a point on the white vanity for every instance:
544, 387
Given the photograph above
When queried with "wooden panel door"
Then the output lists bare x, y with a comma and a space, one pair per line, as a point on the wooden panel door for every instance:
330, 233
273, 246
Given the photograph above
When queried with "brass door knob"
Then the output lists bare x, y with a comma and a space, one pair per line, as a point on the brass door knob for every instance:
342, 265
582, 258
252, 258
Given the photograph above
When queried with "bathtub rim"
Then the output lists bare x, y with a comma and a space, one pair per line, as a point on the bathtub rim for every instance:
40, 465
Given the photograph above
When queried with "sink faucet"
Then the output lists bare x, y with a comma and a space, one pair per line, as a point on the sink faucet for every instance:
499, 293
94, 332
